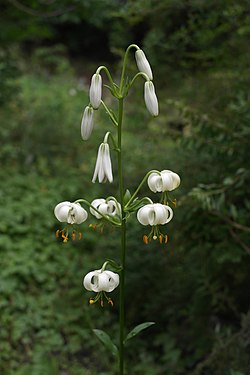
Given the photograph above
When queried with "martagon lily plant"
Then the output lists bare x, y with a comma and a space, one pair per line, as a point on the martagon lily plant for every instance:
116, 210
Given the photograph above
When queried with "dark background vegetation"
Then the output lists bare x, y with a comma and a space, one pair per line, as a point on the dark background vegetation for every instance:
197, 288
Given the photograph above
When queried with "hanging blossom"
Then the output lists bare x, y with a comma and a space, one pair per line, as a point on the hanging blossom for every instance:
143, 64
105, 207
150, 98
103, 167
95, 91
87, 123
163, 181
155, 214
70, 213
102, 282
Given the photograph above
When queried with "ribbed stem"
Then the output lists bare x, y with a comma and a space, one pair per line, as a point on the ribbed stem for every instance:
123, 244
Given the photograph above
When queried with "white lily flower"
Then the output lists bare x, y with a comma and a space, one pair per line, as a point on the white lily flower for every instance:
150, 98
101, 281
143, 64
71, 213
110, 208
103, 167
87, 123
165, 181
154, 214
95, 91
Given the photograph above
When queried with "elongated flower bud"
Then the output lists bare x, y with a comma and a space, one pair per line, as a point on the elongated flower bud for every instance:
151, 98
143, 64
87, 123
103, 167
95, 91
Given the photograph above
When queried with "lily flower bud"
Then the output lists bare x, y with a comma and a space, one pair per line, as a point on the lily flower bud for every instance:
165, 181
95, 91
103, 167
87, 123
105, 207
71, 213
101, 281
143, 64
154, 214
151, 98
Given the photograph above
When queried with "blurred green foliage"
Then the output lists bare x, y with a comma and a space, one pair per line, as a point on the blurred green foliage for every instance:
197, 288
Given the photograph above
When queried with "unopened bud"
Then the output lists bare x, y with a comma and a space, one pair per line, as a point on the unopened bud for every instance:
95, 91
143, 64
150, 98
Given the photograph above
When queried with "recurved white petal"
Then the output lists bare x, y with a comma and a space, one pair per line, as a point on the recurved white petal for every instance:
155, 182
171, 180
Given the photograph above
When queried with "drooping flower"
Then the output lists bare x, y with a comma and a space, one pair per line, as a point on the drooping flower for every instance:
166, 180
105, 207
95, 91
101, 282
71, 213
150, 98
143, 64
87, 123
103, 167
155, 214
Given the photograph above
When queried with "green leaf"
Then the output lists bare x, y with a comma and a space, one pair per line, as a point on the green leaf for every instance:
137, 330
107, 342
127, 196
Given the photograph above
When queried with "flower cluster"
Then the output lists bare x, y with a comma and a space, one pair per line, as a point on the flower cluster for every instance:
109, 210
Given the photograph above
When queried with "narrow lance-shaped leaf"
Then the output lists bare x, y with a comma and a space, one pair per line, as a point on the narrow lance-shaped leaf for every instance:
137, 330
107, 342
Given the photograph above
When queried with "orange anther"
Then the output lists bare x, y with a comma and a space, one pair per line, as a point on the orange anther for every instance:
160, 238
145, 239
110, 302
65, 238
166, 238
57, 233
73, 235
79, 236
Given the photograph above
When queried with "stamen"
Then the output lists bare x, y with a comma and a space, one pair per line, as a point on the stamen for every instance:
73, 235
166, 238
57, 233
79, 236
145, 239
160, 238
110, 302
65, 237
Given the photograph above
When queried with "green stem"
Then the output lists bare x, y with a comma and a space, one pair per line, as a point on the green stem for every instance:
123, 244
124, 65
